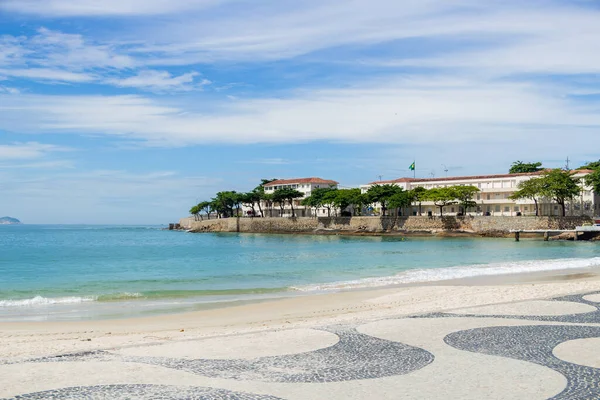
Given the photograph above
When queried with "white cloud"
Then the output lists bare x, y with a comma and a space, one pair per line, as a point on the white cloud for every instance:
48, 74
9, 90
29, 150
43, 165
71, 8
555, 33
160, 81
417, 110
52, 48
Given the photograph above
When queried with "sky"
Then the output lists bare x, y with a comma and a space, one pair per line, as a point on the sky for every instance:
131, 111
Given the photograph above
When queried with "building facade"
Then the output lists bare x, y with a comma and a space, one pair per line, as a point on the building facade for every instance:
304, 186
494, 196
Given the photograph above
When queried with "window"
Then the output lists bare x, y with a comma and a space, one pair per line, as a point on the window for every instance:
517, 209
497, 208
479, 185
526, 208
478, 196
507, 209
488, 197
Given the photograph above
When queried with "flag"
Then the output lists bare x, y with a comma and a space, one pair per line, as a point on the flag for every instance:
412, 167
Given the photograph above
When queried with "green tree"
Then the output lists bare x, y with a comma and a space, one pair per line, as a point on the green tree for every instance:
195, 210
399, 200
519, 167
417, 195
530, 189
320, 197
267, 198
289, 195
311, 202
381, 194
206, 207
225, 202
329, 200
249, 199
593, 180
441, 197
561, 186
261, 195
464, 195
345, 198
591, 165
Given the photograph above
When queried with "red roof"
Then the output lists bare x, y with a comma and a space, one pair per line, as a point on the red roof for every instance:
464, 178
301, 180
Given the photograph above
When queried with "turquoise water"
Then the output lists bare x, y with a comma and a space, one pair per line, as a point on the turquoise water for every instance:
71, 272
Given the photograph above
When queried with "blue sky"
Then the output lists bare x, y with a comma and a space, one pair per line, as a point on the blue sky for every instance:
130, 111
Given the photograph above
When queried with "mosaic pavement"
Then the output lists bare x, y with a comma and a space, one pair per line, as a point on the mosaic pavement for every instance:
377, 359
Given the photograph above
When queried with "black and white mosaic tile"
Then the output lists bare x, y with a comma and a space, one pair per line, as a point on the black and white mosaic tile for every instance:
158, 392
535, 343
592, 317
356, 356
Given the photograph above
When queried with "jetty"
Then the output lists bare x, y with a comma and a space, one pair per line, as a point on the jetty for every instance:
579, 230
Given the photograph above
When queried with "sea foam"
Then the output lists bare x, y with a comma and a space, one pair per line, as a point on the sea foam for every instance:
41, 301
45, 301
457, 272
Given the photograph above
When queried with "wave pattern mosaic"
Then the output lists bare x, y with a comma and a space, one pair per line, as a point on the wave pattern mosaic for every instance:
441, 355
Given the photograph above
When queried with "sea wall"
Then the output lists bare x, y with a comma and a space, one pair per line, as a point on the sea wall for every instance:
488, 226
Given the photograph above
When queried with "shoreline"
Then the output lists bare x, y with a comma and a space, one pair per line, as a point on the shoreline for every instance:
20, 340
135, 308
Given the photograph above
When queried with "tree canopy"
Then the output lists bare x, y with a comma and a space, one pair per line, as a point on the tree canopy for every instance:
464, 196
560, 185
441, 197
519, 167
289, 195
418, 195
381, 194
530, 189
591, 165
593, 180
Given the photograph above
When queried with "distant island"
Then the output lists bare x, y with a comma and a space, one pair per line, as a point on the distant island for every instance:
9, 221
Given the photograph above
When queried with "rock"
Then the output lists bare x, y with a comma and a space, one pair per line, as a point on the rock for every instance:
563, 236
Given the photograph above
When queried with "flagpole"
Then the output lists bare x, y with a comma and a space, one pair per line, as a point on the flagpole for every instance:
415, 169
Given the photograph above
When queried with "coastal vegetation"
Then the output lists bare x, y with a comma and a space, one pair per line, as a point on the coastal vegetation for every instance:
345, 202
520, 167
556, 184
593, 179
387, 199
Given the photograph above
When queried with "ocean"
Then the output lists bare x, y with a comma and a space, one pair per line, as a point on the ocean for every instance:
68, 272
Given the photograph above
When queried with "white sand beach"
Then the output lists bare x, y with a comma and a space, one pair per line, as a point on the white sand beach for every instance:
334, 345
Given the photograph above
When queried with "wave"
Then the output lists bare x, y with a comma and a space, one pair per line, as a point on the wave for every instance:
457, 272
127, 296
41, 301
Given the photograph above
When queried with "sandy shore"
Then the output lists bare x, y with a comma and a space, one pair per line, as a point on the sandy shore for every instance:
35, 339
519, 337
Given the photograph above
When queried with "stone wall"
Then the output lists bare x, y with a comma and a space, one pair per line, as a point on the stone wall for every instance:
376, 225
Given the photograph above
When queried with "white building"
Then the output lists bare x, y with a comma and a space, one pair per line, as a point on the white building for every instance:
303, 185
494, 194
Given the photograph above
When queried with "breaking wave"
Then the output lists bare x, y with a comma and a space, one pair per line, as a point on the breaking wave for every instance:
458, 272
